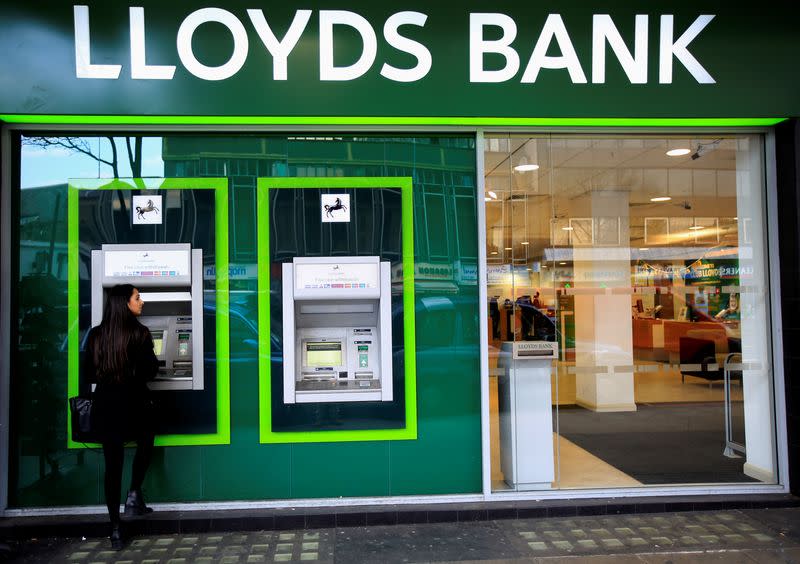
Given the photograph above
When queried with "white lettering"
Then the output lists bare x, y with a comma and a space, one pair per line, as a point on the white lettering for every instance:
678, 49
327, 70
417, 50
554, 28
240, 43
280, 50
83, 65
478, 47
139, 67
603, 29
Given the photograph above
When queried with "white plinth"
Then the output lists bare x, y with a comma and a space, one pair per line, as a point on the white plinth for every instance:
526, 421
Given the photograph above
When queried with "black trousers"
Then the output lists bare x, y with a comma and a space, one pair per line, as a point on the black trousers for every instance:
114, 455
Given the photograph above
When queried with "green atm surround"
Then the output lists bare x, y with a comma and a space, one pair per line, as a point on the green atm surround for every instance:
220, 188
266, 434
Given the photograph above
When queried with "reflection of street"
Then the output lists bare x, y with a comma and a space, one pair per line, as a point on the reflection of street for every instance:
41, 392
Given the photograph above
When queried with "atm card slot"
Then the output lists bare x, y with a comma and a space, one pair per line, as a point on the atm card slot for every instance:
182, 365
364, 375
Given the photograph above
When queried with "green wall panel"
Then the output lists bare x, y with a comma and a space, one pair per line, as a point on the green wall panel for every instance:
340, 469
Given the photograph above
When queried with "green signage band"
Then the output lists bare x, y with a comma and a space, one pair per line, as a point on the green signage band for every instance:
220, 188
389, 121
444, 60
267, 435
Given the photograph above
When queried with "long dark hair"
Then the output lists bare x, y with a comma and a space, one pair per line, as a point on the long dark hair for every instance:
115, 335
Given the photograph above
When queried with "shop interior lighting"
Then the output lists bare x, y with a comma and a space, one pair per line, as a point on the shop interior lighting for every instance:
525, 166
525, 243
492, 194
661, 199
678, 152
562, 263
696, 227
568, 228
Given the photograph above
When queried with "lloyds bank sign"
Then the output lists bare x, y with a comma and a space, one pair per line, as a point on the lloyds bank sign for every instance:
554, 33
571, 58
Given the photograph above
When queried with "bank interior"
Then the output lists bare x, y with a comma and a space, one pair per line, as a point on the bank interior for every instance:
642, 258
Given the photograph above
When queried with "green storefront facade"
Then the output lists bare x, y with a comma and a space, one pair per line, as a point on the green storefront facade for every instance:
255, 113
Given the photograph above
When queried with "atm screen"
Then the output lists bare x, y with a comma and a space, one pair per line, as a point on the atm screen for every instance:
324, 354
158, 342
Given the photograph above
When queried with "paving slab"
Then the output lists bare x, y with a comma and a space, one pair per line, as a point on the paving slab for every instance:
750, 536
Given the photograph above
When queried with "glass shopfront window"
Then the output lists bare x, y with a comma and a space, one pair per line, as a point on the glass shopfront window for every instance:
68, 205
640, 262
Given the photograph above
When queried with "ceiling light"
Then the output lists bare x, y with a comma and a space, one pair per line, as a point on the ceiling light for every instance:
526, 167
644, 248
492, 195
487, 199
735, 219
525, 243
562, 263
678, 152
544, 266
567, 228
494, 252
508, 248
661, 199
696, 227
530, 270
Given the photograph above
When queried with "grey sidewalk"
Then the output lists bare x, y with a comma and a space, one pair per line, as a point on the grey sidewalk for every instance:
744, 535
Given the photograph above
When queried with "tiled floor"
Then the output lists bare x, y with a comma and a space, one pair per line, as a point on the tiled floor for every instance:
765, 535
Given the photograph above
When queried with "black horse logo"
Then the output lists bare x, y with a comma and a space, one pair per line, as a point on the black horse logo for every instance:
150, 207
338, 205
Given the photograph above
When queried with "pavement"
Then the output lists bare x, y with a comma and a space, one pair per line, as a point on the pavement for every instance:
730, 536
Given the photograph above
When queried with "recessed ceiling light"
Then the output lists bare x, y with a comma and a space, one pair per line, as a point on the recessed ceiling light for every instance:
508, 248
525, 243
661, 199
696, 227
678, 152
562, 263
567, 228
526, 167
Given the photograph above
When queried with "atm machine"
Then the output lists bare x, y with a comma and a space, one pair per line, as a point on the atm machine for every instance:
170, 281
337, 330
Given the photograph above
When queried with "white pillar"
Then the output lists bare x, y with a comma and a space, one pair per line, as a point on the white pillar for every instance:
759, 415
603, 330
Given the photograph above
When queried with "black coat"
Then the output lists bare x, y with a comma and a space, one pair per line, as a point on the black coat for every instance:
123, 409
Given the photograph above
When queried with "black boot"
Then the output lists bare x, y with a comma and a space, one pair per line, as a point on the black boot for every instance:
117, 542
134, 505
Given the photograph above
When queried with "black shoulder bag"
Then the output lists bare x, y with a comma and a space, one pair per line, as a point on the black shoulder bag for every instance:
80, 411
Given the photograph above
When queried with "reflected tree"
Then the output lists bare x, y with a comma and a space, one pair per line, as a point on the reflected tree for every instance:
82, 146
